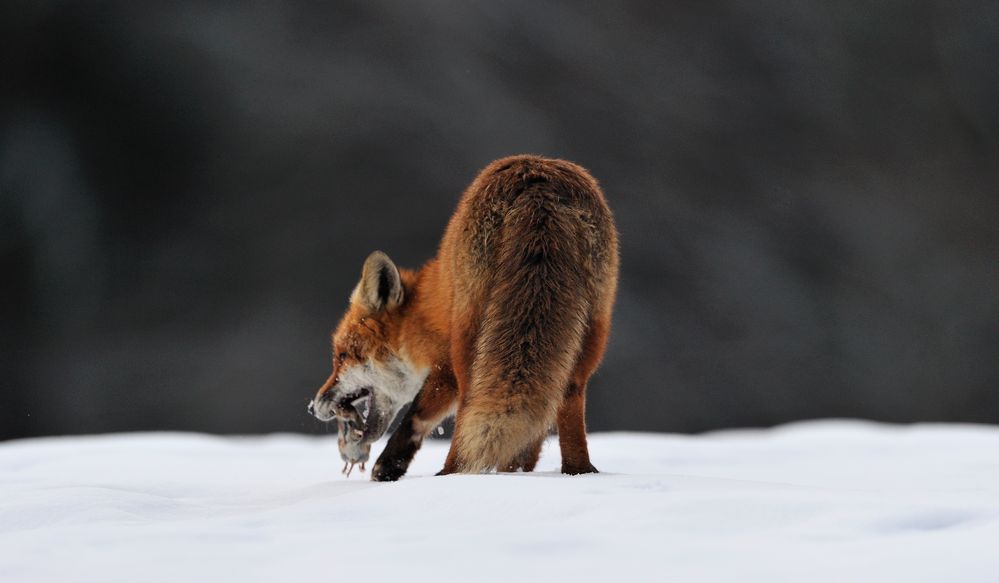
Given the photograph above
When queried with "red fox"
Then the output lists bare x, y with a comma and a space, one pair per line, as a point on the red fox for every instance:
504, 327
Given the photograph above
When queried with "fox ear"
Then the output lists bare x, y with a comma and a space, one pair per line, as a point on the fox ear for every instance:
380, 286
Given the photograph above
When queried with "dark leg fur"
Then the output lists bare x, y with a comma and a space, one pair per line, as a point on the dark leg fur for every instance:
431, 406
402, 446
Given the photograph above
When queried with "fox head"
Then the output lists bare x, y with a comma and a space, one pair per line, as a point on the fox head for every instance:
371, 381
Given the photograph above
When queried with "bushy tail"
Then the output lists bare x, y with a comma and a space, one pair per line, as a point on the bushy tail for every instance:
531, 331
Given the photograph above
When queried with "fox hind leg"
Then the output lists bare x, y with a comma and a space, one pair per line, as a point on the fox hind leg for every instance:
572, 432
571, 418
527, 459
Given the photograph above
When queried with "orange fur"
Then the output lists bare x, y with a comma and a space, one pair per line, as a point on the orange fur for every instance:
511, 318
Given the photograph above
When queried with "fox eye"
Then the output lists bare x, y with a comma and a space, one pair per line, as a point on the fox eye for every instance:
342, 356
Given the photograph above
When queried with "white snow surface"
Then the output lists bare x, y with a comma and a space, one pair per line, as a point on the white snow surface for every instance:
815, 501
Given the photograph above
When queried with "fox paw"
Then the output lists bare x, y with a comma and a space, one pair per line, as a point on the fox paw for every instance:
387, 472
574, 470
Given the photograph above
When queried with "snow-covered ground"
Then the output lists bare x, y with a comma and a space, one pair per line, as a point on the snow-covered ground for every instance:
818, 501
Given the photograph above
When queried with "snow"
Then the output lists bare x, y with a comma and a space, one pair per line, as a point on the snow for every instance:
816, 501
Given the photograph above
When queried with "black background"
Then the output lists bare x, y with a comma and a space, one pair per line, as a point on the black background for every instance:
806, 193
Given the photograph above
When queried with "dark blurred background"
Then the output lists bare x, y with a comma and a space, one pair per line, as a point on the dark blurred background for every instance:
806, 193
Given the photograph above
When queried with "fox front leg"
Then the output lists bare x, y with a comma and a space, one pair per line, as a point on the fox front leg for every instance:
434, 402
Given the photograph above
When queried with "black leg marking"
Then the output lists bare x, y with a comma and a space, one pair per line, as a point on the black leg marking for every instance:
402, 446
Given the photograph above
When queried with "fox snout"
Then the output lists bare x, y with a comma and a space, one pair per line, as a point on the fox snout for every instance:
354, 407
323, 407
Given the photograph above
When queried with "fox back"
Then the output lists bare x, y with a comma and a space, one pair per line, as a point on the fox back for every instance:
533, 250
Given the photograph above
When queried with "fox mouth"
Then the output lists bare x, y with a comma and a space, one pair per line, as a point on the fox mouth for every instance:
355, 407
360, 421
357, 417
362, 405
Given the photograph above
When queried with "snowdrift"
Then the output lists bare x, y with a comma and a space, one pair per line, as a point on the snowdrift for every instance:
818, 501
